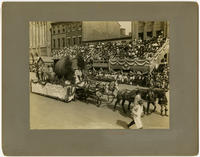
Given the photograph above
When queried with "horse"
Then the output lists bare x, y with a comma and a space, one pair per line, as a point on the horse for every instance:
125, 95
129, 95
150, 97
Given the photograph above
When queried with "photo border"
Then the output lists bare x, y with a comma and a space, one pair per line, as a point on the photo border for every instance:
180, 139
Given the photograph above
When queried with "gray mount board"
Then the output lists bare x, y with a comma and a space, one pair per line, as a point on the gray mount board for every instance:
180, 139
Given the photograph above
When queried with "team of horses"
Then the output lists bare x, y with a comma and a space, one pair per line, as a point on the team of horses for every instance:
111, 90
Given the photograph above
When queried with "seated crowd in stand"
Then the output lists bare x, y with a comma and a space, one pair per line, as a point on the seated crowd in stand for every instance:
105, 50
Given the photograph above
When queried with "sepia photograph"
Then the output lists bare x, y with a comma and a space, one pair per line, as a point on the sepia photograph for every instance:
99, 75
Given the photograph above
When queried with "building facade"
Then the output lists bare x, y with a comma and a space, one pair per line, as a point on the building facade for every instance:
40, 38
145, 30
64, 34
100, 30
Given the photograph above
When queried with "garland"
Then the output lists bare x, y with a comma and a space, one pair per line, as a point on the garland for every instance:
128, 62
125, 63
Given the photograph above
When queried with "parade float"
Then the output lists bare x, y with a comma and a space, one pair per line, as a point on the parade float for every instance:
57, 81
64, 93
64, 80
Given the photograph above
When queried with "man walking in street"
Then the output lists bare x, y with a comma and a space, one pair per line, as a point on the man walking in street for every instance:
137, 111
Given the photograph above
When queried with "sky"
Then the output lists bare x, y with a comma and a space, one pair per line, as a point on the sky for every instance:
126, 25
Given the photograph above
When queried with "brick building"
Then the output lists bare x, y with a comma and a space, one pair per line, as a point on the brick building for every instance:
65, 34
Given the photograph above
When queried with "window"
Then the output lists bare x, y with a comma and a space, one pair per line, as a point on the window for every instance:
63, 30
74, 41
59, 31
158, 33
54, 43
141, 35
149, 34
63, 41
58, 43
54, 32
80, 40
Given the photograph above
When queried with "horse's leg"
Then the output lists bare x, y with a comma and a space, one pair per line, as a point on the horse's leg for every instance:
144, 109
166, 109
154, 104
148, 105
123, 105
117, 101
129, 106
161, 110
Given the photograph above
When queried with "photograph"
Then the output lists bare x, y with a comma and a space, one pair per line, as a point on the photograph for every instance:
99, 75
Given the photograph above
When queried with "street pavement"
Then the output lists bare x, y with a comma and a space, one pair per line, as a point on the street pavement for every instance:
49, 113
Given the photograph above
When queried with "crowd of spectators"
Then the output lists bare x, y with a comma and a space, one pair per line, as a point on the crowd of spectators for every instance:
141, 49
131, 78
157, 78
103, 51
